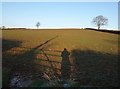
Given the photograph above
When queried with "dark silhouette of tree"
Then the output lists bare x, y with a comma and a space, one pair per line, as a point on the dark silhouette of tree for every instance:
100, 21
38, 24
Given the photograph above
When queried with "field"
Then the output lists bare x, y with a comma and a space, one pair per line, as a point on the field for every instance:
93, 55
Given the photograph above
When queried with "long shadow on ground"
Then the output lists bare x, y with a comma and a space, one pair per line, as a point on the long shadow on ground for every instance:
95, 68
17, 62
8, 60
8, 44
22, 63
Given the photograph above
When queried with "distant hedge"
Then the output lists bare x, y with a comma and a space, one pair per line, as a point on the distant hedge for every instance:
104, 30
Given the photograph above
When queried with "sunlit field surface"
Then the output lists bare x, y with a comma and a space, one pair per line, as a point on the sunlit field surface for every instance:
93, 54
71, 39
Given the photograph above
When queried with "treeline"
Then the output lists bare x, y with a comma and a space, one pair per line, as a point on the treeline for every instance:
104, 30
14, 28
42, 29
101, 30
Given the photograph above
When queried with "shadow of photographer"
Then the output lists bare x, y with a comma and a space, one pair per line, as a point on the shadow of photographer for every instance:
65, 65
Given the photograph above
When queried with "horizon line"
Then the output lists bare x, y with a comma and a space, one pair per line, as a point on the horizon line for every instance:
62, 28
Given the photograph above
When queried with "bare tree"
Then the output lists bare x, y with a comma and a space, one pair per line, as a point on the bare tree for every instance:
38, 24
100, 21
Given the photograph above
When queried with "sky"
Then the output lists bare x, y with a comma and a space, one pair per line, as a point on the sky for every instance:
58, 14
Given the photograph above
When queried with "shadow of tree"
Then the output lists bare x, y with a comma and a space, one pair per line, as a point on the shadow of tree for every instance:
16, 62
7, 59
8, 44
95, 68
23, 63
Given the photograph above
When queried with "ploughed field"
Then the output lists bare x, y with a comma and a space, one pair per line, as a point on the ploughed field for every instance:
93, 54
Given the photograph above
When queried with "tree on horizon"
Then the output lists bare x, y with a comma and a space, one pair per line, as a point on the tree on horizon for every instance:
100, 21
38, 25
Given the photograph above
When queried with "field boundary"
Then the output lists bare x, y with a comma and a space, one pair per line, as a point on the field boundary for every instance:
104, 30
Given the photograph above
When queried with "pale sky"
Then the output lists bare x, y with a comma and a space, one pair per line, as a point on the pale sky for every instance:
58, 14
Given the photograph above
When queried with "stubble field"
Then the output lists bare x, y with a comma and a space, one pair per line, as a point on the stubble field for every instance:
93, 54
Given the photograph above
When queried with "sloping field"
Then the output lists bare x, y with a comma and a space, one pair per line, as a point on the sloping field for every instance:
71, 39
93, 55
